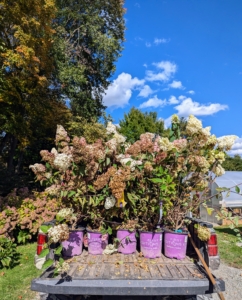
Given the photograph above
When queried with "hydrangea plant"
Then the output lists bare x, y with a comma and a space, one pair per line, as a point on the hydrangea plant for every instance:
111, 181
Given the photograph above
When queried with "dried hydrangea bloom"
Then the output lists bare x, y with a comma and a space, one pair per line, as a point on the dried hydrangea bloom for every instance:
111, 128
193, 125
62, 161
109, 202
198, 162
180, 144
160, 157
103, 179
134, 149
226, 142
147, 136
112, 146
58, 233
61, 135
148, 167
117, 183
53, 190
38, 168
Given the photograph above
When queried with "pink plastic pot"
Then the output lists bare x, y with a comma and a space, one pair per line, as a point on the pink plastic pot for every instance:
175, 244
97, 242
151, 243
127, 241
73, 246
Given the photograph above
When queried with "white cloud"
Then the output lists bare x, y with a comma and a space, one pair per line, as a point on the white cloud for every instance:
237, 147
148, 45
168, 68
120, 91
137, 5
176, 85
145, 91
160, 41
188, 106
153, 102
191, 92
173, 100
145, 65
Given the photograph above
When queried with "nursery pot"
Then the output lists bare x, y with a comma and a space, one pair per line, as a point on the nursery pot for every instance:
151, 243
97, 242
127, 241
175, 244
73, 246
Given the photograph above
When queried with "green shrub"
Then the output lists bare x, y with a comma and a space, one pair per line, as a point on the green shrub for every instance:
9, 256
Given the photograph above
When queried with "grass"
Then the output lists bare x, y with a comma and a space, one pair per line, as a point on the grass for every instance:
15, 283
229, 252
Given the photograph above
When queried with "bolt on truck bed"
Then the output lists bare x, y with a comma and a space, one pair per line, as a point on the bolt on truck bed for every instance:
120, 275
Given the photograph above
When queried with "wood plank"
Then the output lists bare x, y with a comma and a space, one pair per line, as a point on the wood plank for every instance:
164, 271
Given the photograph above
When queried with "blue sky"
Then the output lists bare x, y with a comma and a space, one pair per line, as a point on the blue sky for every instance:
182, 57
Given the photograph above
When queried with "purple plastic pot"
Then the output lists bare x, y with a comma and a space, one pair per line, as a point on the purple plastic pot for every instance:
73, 246
97, 242
175, 244
151, 243
127, 241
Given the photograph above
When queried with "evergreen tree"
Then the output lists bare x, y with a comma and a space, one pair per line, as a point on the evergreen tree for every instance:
136, 122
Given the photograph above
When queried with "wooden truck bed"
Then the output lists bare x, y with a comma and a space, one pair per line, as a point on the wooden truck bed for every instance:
120, 274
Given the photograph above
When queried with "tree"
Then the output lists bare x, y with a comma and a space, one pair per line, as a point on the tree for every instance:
136, 122
26, 64
233, 163
90, 36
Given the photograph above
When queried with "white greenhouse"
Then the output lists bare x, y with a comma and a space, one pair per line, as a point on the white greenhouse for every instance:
232, 200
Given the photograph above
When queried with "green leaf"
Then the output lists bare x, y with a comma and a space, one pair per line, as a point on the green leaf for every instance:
237, 189
109, 230
156, 180
45, 228
47, 263
107, 161
58, 250
209, 210
71, 193
44, 252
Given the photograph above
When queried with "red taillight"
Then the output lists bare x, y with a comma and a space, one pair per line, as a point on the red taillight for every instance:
212, 245
42, 239
213, 240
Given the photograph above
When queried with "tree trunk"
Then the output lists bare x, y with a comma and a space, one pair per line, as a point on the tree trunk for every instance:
13, 145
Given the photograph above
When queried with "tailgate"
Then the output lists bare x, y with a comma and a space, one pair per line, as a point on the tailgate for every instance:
120, 274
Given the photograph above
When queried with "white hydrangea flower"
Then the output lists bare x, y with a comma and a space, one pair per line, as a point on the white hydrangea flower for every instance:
65, 212
119, 138
226, 142
110, 249
206, 131
62, 161
111, 128
165, 144
125, 160
54, 151
109, 202
193, 125
219, 170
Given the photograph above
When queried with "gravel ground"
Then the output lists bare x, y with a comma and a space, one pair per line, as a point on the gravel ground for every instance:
233, 282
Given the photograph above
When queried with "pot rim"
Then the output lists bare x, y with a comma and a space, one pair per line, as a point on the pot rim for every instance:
172, 231
153, 232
